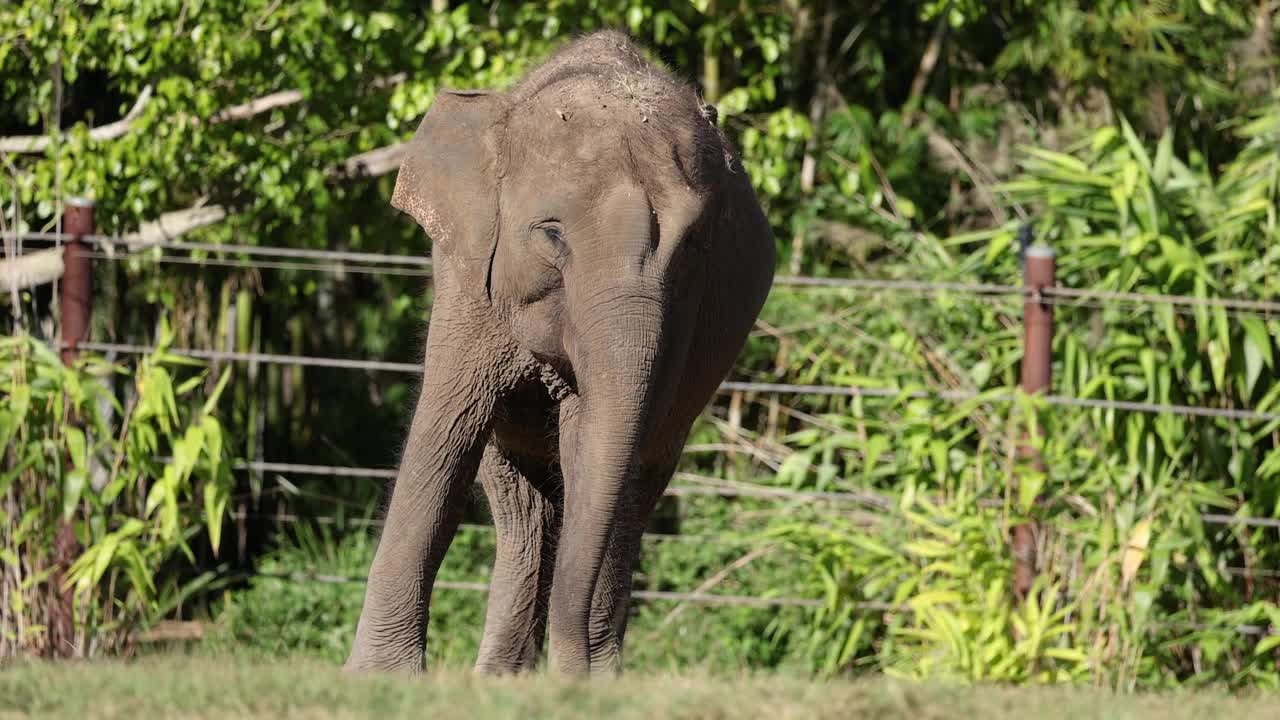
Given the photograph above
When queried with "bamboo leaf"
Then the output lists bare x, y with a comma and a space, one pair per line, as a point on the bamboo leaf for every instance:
1267, 644
1257, 335
73, 484
215, 503
1136, 148
1135, 550
932, 598
1164, 156
76, 446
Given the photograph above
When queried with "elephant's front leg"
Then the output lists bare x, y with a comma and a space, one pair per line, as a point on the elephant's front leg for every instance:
446, 441
527, 520
424, 513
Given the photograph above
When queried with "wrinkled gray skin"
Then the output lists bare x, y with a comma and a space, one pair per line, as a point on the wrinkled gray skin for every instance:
600, 259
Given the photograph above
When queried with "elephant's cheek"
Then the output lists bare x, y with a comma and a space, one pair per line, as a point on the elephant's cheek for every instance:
539, 329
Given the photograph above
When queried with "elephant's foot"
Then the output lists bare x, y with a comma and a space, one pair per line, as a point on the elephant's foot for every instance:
403, 664
406, 660
607, 660
500, 669
385, 647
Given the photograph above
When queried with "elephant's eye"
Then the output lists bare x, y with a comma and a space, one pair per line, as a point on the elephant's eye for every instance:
552, 233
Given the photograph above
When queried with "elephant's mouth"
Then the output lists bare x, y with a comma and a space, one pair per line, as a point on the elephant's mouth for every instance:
558, 379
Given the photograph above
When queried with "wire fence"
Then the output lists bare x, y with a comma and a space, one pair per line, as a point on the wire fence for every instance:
703, 598
381, 263
715, 487
642, 595
728, 386
334, 267
710, 486
375, 263
343, 261
107, 244
359, 521
695, 598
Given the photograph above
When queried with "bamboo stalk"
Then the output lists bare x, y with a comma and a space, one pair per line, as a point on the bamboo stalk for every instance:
817, 112
927, 62
710, 61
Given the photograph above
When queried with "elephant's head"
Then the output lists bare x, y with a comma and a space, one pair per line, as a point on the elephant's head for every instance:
569, 206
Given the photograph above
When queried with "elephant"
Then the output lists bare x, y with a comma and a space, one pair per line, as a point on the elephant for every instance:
600, 257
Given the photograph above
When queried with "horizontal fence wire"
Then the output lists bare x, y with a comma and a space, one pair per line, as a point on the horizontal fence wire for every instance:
336, 267
108, 244
905, 286
357, 521
1236, 304
696, 598
265, 358
715, 486
701, 598
721, 488
337, 258
341, 261
728, 386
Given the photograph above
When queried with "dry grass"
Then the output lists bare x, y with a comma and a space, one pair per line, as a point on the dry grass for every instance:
206, 688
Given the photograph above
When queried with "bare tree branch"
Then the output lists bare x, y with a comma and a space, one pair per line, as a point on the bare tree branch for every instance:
931, 53
36, 268
716, 580
255, 106
941, 146
34, 144
817, 112
171, 225
376, 162
46, 265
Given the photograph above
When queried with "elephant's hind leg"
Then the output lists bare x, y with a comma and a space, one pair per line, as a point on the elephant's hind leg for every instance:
527, 519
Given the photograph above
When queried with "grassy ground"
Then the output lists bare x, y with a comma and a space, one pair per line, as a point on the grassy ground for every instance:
206, 688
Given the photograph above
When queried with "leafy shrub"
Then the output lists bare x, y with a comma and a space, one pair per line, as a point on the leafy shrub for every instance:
307, 599
284, 613
1136, 588
91, 506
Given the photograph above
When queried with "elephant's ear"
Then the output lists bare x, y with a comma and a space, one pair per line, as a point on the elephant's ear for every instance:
448, 182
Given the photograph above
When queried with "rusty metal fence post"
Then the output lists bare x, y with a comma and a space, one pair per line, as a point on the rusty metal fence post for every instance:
77, 276
76, 299
1037, 363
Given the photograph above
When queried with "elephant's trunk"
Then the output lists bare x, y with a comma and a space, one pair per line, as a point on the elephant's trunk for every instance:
442, 453
615, 354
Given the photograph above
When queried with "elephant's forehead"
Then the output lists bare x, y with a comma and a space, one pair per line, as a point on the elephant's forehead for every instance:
566, 128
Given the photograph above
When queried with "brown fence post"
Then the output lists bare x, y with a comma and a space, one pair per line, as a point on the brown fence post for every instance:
1037, 363
77, 276
76, 298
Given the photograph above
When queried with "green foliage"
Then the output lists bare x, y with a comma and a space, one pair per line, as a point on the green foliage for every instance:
285, 612
1131, 581
1135, 589
279, 617
79, 464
